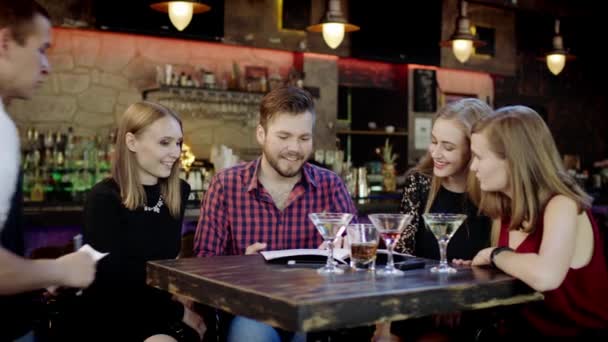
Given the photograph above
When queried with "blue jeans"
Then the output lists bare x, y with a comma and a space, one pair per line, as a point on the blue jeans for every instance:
245, 329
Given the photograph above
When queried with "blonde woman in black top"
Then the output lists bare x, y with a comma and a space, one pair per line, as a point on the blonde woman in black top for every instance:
441, 183
136, 216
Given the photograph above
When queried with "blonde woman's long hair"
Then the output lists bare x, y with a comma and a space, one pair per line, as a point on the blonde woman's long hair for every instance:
519, 135
464, 113
124, 163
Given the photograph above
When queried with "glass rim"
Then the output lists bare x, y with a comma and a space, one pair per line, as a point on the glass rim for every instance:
444, 215
361, 225
388, 215
361, 228
344, 218
329, 214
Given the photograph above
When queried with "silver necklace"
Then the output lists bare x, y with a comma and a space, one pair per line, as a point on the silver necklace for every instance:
155, 208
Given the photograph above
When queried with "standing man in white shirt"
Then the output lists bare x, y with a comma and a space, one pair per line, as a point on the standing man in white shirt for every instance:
25, 36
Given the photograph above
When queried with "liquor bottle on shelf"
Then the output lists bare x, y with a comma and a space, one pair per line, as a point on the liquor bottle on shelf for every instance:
62, 167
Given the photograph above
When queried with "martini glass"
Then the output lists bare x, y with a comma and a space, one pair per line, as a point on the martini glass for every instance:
390, 227
443, 226
329, 226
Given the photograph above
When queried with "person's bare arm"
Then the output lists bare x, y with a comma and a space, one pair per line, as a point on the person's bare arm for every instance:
545, 270
19, 275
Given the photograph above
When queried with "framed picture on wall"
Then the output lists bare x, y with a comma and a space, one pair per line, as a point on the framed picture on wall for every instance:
486, 35
425, 94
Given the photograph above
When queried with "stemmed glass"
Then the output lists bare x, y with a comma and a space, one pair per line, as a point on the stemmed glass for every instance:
390, 227
443, 226
329, 226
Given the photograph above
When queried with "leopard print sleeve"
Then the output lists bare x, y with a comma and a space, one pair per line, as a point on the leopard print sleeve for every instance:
415, 191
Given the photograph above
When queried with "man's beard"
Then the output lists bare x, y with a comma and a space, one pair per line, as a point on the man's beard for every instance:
274, 163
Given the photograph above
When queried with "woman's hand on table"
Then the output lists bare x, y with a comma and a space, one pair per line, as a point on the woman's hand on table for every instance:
483, 257
461, 262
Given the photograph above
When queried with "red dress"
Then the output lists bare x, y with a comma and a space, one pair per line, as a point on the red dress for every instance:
580, 303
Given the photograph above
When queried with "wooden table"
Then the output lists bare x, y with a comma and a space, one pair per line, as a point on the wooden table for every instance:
299, 299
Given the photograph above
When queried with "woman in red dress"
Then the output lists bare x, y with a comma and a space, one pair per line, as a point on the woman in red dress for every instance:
547, 237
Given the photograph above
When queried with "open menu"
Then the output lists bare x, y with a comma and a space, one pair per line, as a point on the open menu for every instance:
312, 255
341, 255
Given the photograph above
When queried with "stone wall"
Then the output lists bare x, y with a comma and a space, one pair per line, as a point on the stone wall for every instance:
96, 75
322, 72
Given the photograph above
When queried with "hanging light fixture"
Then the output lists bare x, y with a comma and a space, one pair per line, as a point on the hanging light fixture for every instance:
180, 12
462, 41
333, 25
556, 58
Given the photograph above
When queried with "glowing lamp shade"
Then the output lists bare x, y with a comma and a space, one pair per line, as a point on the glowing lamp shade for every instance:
180, 12
462, 49
557, 57
556, 63
333, 25
333, 34
463, 40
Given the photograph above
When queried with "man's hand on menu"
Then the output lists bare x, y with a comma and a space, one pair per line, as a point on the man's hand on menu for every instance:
254, 248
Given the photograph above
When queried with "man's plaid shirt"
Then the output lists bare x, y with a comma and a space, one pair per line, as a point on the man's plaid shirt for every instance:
237, 211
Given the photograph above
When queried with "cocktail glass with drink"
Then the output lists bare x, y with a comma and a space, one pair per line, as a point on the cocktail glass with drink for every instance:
363, 239
390, 227
443, 226
329, 226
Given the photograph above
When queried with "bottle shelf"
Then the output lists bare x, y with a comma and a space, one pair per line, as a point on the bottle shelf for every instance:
201, 94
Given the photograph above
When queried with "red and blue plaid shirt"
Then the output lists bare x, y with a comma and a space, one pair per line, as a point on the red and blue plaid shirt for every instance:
237, 211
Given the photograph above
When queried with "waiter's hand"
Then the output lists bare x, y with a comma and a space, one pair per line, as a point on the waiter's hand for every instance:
483, 257
254, 248
76, 269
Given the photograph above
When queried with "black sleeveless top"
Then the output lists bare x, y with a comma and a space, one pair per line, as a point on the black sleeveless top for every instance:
472, 236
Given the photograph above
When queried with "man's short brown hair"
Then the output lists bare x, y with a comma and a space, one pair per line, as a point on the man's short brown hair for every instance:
18, 16
290, 100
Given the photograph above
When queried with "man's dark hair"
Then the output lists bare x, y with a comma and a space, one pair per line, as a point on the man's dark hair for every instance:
289, 100
18, 16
